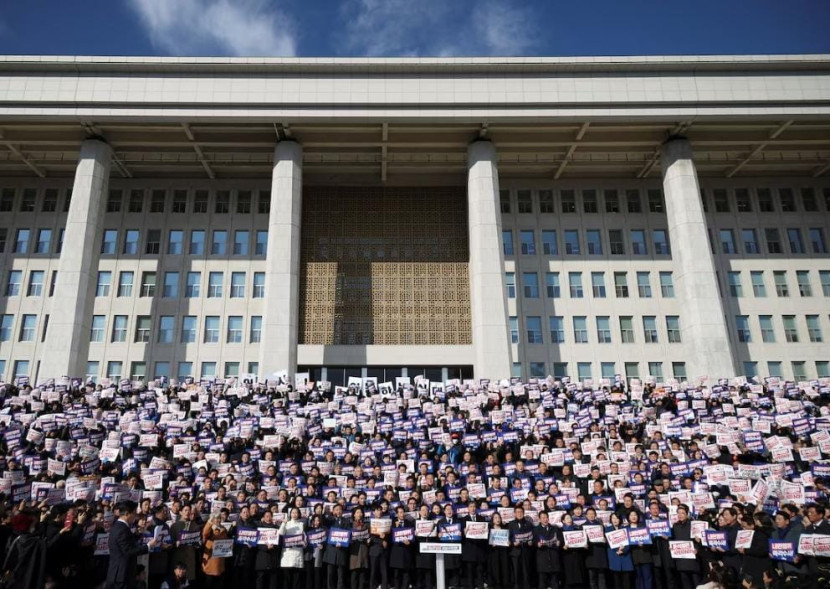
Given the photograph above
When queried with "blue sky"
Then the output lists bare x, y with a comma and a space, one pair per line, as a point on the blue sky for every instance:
310, 28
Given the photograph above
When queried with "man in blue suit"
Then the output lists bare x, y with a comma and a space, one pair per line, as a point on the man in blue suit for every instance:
124, 548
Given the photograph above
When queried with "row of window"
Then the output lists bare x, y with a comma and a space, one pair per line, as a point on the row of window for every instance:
166, 329
569, 201
172, 281
29, 197
553, 290
585, 370
772, 236
637, 245
720, 200
799, 369
149, 284
131, 243
22, 243
734, 282
197, 245
138, 370
241, 202
766, 327
556, 330
139, 200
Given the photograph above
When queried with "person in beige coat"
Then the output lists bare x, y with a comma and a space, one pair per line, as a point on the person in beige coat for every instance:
292, 557
213, 567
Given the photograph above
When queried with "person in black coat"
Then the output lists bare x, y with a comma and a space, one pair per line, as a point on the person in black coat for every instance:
728, 522
337, 558
521, 538
687, 569
573, 559
498, 569
756, 558
641, 556
596, 560
267, 562
424, 563
548, 543
452, 562
124, 549
378, 555
244, 557
473, 552
660, 553
400, 555
818, 566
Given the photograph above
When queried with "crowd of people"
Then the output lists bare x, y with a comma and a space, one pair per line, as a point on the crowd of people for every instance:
548, 483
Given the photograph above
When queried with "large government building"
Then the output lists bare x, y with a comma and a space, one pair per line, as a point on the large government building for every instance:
664, 217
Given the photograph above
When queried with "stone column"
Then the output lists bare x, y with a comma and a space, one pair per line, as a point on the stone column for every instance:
703, 323
280, 323
487, 292
67, 338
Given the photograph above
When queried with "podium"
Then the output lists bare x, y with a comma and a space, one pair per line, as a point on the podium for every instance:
439, 549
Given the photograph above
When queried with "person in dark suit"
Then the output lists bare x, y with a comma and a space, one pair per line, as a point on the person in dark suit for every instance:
521, 538
473, 552
124, 549
378, 556
400, 554
819, 566
548, 541
337, 558
452, 563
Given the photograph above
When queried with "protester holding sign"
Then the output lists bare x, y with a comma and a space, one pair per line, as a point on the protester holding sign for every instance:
786, 536
185, 553
688, 569
244, 548
548, 542
474, 546
315, 541
379, 548
267, 559
818, 565
292, 534
756, 558
498, 562
641, 554
576, 451
424, 563
596, 559
521, 541
449, 530
159, 559
213, 568
619, 552
574, 552
401, 559
336, 553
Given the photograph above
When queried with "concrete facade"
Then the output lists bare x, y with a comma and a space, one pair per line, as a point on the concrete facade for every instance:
178, 252
67, 342
487, 295
278, 350
694, 273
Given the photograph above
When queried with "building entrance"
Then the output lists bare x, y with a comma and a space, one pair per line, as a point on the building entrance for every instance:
339, 375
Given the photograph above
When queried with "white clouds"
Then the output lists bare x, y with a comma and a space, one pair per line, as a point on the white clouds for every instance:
437, 27
218, 27
504, 28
